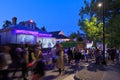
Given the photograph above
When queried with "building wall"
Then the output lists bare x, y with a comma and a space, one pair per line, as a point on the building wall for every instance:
12, 37
3, 37
24, 38
7, 37
47, 42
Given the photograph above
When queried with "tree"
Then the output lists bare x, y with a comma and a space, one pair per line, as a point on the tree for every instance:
76, 36
93, 29
93, 24
111, 10
6, 24
43, 28
113, 30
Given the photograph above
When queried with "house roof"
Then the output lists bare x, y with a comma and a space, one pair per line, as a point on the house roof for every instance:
57, 35
61, 37
21, 27
55, 32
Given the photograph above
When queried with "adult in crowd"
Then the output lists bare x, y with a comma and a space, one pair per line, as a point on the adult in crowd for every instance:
25, 56
78, 56
60, 59
17, 59
97, 55
54, 57
70, 55
38, 65
5, 61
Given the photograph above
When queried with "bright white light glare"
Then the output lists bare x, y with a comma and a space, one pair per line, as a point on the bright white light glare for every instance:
31, 21
100, 4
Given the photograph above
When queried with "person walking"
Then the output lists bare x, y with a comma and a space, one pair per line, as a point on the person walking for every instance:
38, 65
25, 57
5, 61
54, 57
60, 59
70, 55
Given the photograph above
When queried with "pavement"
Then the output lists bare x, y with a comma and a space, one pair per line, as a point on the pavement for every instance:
51, 74
67, 74
83, 71
91, 71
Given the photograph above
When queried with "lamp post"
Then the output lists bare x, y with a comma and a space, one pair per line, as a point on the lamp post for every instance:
103, 20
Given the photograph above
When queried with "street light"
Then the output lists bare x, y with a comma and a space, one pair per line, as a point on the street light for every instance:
100, 5
103, 19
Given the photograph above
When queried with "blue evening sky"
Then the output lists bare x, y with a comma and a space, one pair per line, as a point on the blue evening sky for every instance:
53, 14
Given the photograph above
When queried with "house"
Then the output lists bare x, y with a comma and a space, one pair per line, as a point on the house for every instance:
60, 37
25, 32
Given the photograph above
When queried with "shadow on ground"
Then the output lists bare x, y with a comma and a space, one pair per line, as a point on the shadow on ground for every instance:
50, 77
94, 67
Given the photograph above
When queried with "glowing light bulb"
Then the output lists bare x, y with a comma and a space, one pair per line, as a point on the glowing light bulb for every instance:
31, 21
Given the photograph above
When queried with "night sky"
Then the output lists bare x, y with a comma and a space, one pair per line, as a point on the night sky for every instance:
53, 14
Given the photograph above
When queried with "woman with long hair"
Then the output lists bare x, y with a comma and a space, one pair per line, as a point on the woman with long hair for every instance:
60, 59
38, 66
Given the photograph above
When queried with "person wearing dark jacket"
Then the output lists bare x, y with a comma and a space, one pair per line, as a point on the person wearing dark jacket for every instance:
70, 55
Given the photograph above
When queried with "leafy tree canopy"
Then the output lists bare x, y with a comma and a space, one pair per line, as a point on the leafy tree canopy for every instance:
77, 36
93, 29
113, 30
43, 28
111, 16
6, 24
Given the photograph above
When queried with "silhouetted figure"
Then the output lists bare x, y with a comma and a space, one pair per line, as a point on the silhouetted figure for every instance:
70, 55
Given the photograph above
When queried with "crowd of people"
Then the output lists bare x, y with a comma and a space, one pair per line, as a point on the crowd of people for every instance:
15, 58
26, 58
96, 54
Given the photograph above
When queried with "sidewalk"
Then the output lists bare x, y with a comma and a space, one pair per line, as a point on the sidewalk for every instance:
84, 71
98, 72
67, 74
52, 74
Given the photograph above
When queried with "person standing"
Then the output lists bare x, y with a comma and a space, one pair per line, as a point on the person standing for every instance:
70, 55
60, 59
38, 66
54, 58
18, 59
119, 55
5, 61
97, 56
25, 54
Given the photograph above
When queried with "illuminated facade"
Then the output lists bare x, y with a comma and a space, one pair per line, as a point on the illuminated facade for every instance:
25, 32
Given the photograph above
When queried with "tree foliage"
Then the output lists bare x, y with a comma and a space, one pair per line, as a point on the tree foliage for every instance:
6, 24
113, 30
111, 16
111, 8
43, 28
93, 29
77, 36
